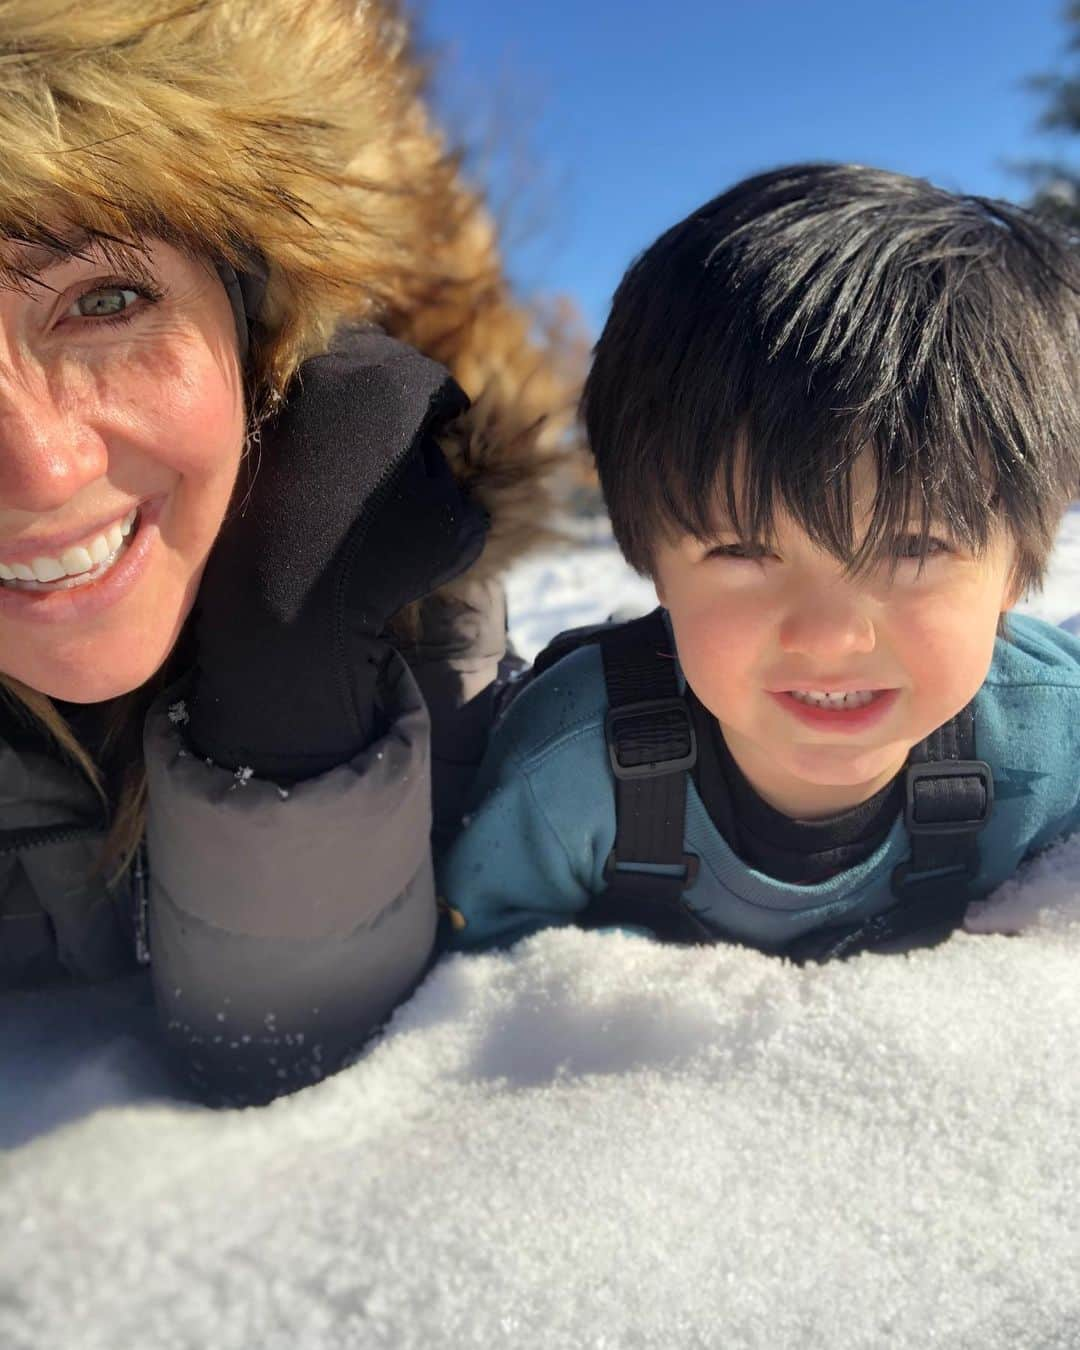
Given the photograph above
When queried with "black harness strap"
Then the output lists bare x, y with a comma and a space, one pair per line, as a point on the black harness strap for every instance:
948, 798
651, 746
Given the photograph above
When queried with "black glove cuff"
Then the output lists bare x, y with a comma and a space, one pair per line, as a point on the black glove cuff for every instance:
288, 730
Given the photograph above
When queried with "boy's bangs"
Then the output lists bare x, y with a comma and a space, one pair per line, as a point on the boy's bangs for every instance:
862, 353
855, 497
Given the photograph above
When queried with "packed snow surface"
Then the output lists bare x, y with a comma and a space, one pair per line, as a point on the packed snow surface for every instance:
588, 1141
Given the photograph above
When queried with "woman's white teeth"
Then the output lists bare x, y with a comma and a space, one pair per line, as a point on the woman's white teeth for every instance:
822, 698
97, 557
75, 560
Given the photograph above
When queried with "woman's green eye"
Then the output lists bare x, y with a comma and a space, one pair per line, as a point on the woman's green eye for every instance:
104, 303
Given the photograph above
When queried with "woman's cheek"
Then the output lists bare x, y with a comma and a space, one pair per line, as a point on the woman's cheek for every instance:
181, 404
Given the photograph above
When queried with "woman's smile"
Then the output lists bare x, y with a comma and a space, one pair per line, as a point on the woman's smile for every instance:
39, 566
88, 594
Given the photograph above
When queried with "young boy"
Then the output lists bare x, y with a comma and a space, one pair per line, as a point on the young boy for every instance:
836, 419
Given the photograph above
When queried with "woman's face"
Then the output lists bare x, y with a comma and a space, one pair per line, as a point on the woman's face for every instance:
120, 393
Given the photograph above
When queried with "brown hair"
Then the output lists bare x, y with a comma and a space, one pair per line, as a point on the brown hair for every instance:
297, 135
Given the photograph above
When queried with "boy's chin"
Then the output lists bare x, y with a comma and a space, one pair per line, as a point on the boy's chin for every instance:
849, 766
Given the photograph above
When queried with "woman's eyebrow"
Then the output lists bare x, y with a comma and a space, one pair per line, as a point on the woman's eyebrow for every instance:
27, 262
33, 258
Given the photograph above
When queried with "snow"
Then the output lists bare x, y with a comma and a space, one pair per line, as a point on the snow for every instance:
587, 1141
580, 584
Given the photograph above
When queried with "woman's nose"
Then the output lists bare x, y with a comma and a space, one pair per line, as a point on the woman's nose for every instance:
826, 628
46, 455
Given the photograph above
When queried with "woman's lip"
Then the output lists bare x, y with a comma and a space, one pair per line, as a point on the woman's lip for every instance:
838, 719
81, 603
23, 552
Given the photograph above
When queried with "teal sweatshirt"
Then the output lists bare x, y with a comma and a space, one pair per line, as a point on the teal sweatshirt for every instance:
541, 822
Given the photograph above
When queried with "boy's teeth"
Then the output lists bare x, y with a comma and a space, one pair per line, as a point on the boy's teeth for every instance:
73, 562
822, 698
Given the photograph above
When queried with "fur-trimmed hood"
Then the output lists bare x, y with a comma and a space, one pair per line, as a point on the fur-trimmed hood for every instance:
295, 133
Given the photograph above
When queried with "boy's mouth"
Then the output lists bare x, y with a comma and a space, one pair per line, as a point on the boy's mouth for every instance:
837, 710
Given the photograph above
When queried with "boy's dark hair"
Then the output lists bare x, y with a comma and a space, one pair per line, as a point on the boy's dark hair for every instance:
817, 311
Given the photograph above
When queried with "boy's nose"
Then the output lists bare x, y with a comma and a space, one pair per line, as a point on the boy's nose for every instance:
46, 457
825, 629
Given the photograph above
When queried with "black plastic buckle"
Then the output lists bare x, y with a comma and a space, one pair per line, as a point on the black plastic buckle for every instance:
623, 867
655, 767
950, 768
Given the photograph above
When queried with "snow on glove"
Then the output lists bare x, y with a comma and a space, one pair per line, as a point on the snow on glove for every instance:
352, 512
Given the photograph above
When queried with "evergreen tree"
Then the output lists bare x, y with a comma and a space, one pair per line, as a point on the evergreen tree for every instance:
1056, 181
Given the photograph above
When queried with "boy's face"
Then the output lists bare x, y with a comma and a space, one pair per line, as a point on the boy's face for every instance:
751, 630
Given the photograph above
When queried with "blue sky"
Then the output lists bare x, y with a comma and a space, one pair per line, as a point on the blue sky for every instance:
631, 114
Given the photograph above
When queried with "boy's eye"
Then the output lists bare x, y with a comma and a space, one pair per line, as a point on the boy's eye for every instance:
750, 552
906, 548
910, 548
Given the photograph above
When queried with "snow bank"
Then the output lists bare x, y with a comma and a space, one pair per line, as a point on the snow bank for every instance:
594, 1141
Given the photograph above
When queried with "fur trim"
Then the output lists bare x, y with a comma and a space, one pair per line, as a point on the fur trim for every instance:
296, 132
